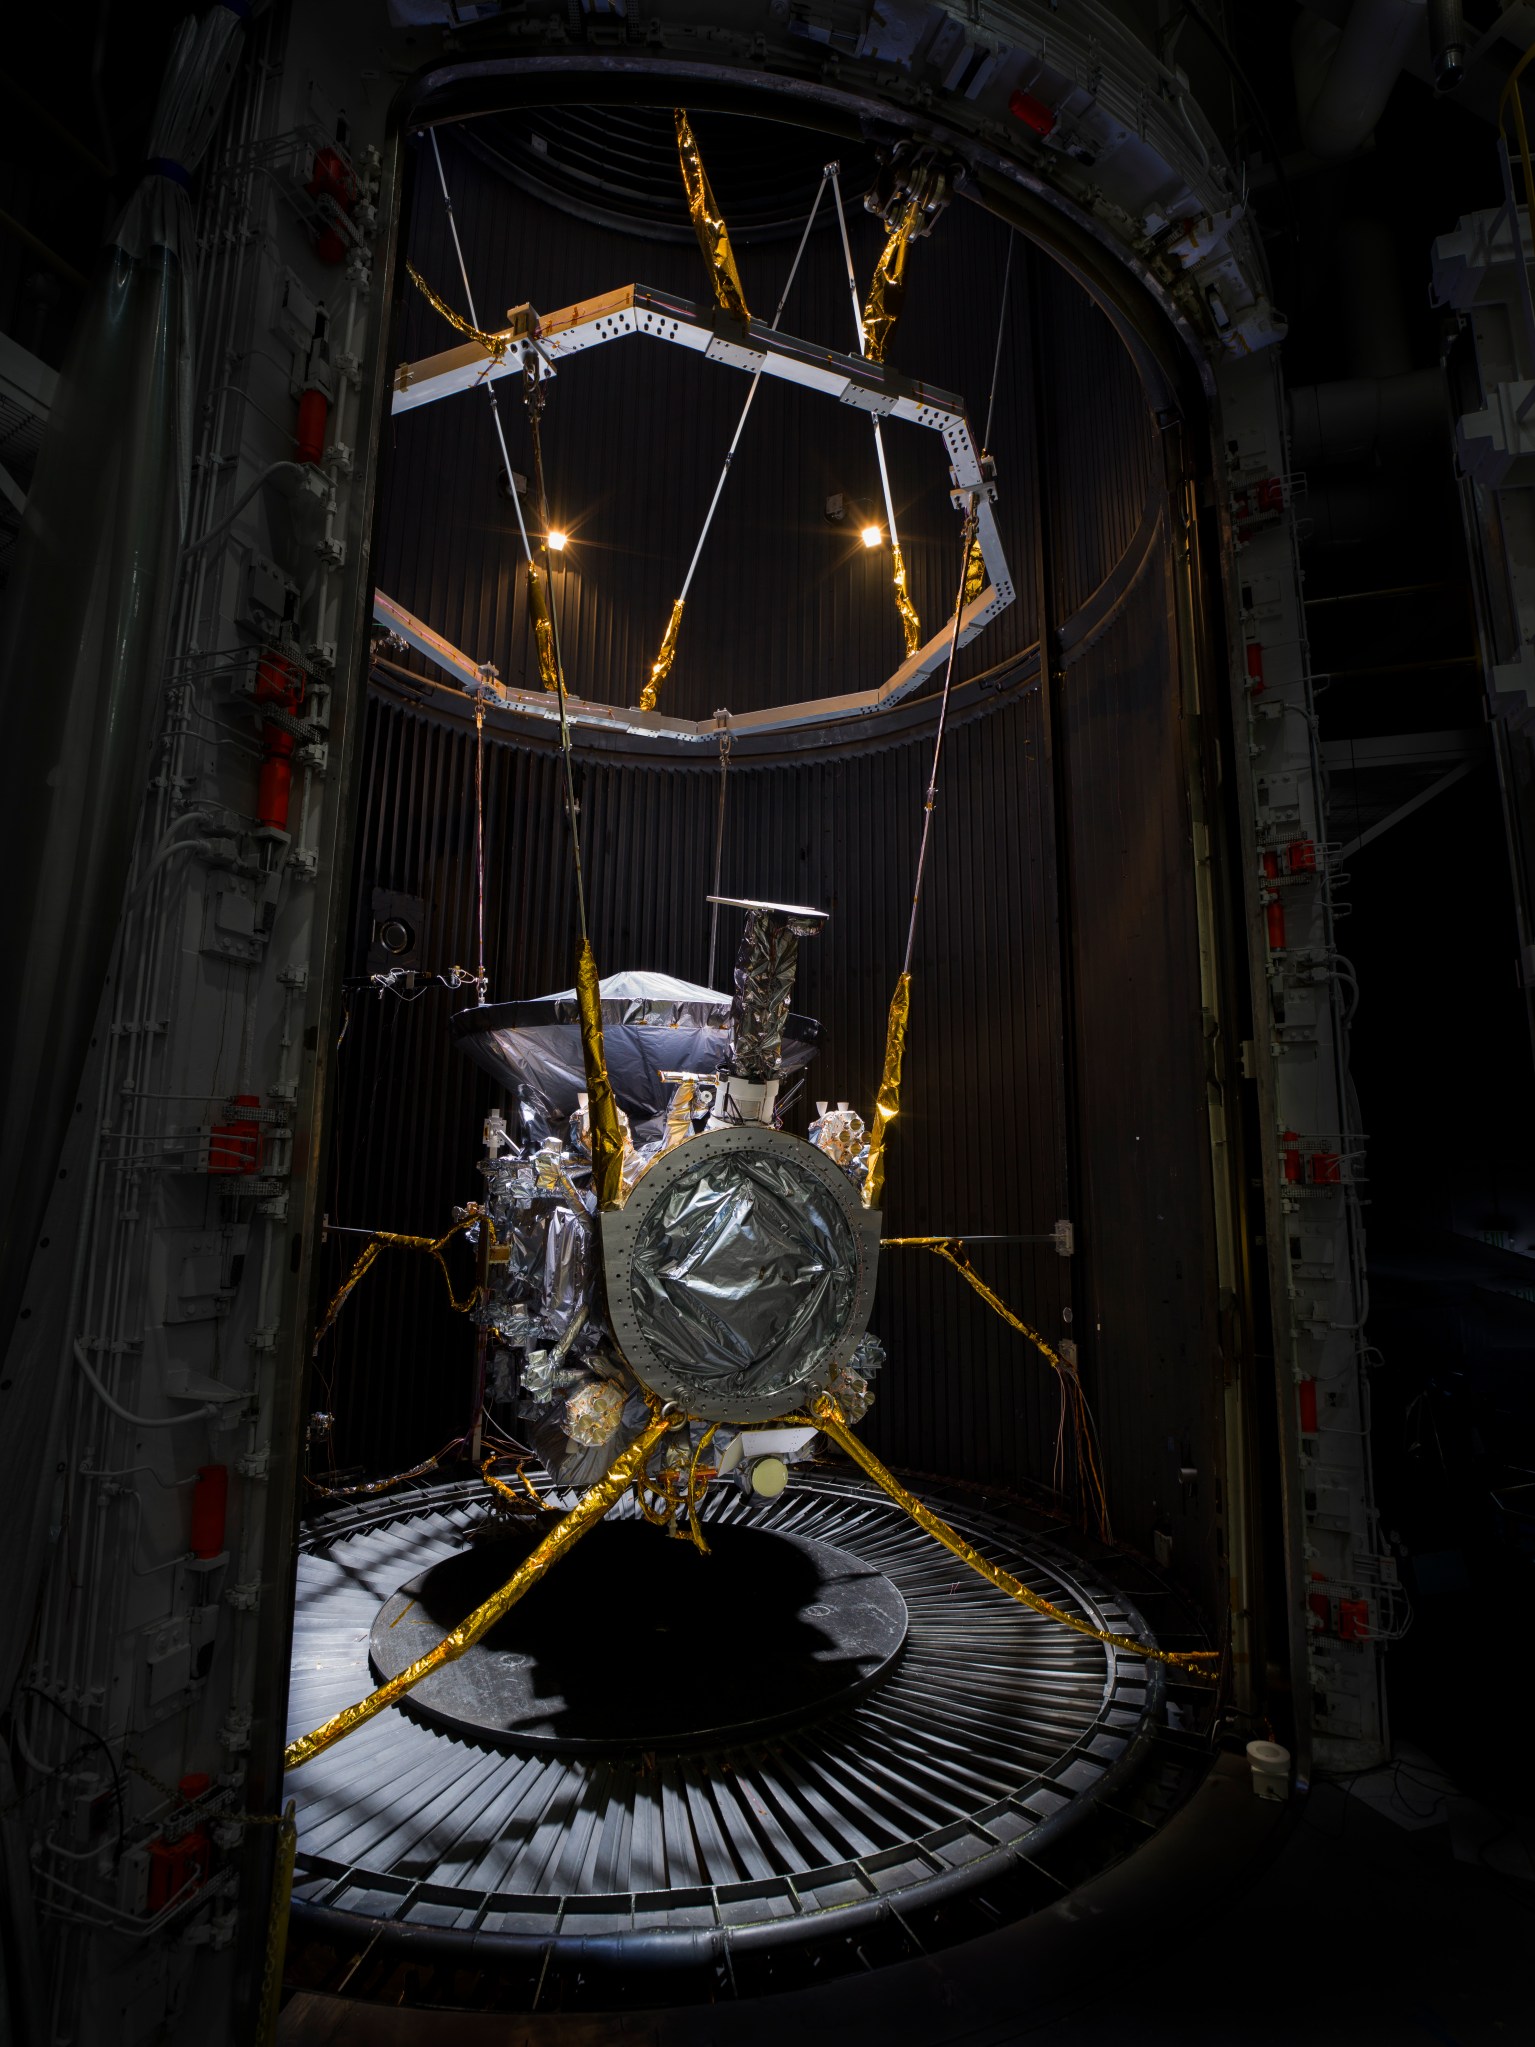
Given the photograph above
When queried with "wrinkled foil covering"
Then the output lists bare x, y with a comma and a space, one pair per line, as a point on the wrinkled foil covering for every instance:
744, 1277
709, 222
911, 625
543, 629
887, 288
605, 1493
849, 1383
661, 667
888, 1101
764, 977
651, 1025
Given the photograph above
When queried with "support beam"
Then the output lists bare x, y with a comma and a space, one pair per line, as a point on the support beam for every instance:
548, 339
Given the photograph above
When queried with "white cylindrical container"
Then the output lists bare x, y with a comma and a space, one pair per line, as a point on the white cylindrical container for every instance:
1270, 1768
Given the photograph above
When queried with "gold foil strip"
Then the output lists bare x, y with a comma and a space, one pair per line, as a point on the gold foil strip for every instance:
601, 1102
509, 1493
399, 1242
496, 346
709, 222
975, 572
887, 287
379, 1485
543, 629
888, 1102
911, 625
609, 1489
827, 1415
661, 667
953, 1249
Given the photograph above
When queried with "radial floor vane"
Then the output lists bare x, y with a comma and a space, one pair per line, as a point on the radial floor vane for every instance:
827, 1722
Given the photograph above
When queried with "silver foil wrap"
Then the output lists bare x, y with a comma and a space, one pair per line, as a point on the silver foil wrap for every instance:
744, 1277
651, 1024
764, 984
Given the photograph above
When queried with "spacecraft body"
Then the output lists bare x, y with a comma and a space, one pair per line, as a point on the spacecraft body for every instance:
735, 1280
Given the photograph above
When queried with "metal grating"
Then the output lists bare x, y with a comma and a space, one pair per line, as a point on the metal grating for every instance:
995, 1729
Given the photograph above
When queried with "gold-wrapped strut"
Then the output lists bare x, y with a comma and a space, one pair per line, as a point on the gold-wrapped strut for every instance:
396, 1240
601, 1102
709, 222
888, 1101
825, 1412
911, 625
543, 629
887, 287
952, 1249
1073, 1399
661, 667
609, 1489
975, 572
496, 346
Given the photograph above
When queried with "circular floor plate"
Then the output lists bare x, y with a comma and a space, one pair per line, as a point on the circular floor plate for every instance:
638, 1642
988, 1734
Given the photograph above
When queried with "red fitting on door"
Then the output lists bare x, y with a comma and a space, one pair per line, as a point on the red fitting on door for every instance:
1255, 681
235, 1146
329, 178
313, 418
1289, 1151
1032, 112
1307, 1391
281, 685
1326, 1169
1274, 918
210, 1500
1300, 855
1353, 1620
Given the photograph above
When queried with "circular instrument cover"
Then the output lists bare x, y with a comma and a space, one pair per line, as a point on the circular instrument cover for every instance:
740, 1273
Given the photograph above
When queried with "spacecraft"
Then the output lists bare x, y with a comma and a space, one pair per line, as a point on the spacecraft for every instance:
735, 1280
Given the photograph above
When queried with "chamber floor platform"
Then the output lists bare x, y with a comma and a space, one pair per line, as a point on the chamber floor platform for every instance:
669, 1775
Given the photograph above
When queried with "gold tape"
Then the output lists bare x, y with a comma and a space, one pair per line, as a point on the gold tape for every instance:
543, 629
975, 572
661, 667
394, 1239
277, 1926
709, 222
496, 346
887, 287
609, 1489
510, 1493
888, 1101
911, 625
379, 1485
601, 1102
695, 1493
952, 1249
828, 1417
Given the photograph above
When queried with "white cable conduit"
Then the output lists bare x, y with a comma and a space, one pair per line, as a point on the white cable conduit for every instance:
138, 1421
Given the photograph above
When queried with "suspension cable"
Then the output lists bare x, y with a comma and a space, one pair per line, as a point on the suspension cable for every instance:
719, 851
661, 666
534, 397
910, 624
490, 389
931, 798
996, 360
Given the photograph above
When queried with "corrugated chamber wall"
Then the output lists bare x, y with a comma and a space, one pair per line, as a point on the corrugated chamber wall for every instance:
1061, 860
